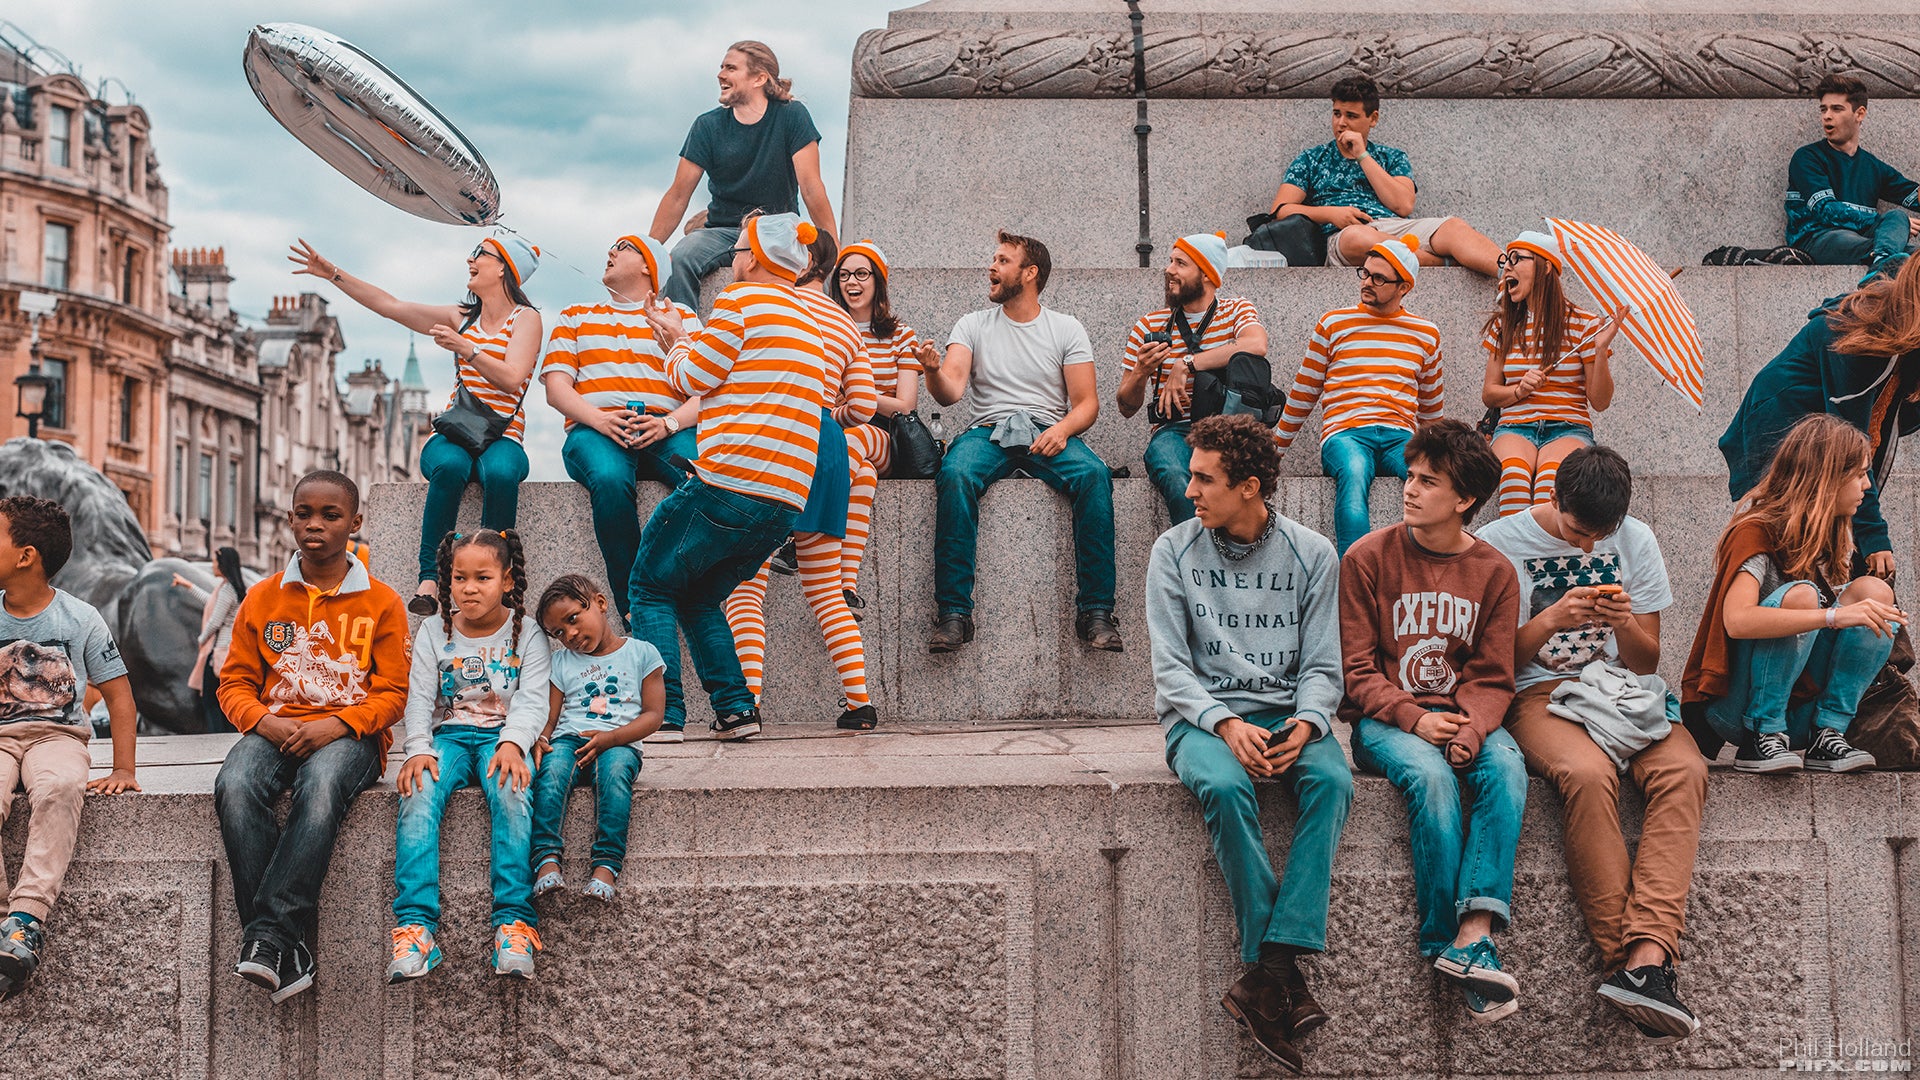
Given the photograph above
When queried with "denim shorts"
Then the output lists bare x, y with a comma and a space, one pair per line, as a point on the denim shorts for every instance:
1542, 432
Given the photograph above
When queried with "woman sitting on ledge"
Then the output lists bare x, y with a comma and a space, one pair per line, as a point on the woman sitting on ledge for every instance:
495, 348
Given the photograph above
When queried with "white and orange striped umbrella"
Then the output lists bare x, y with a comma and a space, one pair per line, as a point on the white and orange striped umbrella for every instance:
1624, 279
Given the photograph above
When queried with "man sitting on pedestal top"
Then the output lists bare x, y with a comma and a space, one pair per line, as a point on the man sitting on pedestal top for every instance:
1834, 189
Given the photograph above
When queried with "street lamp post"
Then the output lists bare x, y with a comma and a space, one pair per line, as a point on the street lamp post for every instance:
34, 384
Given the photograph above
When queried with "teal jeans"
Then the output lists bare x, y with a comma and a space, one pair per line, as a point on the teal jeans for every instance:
1760, 687
1290, 910
611, 775
464, 754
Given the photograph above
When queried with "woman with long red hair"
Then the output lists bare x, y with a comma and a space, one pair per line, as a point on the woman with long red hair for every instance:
1788, 644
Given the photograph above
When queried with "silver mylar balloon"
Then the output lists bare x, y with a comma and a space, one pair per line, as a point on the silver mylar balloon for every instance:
364, 121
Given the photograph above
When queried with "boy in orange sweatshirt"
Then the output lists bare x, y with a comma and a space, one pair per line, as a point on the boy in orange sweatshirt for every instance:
316, 676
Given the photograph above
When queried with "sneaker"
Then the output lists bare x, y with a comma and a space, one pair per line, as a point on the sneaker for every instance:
20, 945
667, 733
1648, 996
259, 964
1484, 1011
542, 885
1655, 1037
1477, 967
414, 953
1100, 630
950, 632
740, 725
296, 972
860, 719
1766, 754
787, 559
1831, 752
513, 947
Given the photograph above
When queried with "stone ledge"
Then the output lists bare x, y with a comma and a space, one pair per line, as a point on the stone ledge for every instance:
1045, 899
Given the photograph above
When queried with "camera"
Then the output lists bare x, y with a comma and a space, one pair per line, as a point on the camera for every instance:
1161, 336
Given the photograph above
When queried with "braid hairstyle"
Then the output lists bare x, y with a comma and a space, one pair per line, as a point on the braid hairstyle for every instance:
444, 563
516, 598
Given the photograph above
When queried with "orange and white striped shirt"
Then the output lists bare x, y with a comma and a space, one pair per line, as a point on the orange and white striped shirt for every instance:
1231, 317
1562, 396
758, 365
609, 351
1369, 370
494, 345
891, 356
847, 383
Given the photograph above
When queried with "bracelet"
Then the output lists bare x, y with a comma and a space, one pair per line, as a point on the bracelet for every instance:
1833, 616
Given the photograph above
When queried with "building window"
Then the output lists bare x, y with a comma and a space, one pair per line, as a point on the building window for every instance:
60, 136
179, 482
57, 255
55, 415
233, 493
128, 277
129, 391
206, 487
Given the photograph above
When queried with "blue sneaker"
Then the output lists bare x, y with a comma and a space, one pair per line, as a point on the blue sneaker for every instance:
20, 945
1477, 967
414, 953
1486, 1012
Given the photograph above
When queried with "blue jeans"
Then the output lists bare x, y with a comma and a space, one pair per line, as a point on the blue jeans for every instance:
1891, 234
974, 462
698, 254
448, 470
1760, 687
464, 754
700, 544
612, 775
1293, 909
1542, 432
1353, 458
278, 869
1168, 461
610, 473
1464, 823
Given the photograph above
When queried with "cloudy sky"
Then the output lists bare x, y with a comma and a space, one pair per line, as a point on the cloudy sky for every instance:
579, 107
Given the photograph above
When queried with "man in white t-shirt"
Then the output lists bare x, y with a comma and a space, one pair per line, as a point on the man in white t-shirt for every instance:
1592, 587
1031, 373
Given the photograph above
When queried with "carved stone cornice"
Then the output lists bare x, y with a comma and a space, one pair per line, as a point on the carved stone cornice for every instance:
1566, 63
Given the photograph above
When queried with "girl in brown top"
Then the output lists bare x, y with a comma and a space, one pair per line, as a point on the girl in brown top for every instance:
1788, 644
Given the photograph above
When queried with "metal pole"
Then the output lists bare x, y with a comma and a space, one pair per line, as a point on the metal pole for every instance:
1141, 129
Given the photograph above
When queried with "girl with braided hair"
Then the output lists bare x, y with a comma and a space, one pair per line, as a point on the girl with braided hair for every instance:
478, 693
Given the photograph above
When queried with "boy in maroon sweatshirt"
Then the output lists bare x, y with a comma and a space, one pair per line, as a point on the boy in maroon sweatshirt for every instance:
1427, 617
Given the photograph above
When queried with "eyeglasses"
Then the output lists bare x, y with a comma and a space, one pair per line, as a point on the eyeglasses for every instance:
626, 245
741, 251
1512, 258
1371, 278
862, 274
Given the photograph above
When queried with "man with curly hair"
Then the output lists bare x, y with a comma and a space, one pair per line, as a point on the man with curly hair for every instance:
1243, 610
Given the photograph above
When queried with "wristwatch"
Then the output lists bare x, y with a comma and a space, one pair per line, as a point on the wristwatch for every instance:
673, 426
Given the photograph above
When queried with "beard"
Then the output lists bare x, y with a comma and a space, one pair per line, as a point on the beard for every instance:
1183, 294
1000, 292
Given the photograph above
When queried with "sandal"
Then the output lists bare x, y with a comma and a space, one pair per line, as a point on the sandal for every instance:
548, 881
600, 890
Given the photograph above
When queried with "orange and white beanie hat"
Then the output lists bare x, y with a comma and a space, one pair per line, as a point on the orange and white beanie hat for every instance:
869, 249
522, 258
1536, 243
1399, 255
779, 242
1208, 252
659, 263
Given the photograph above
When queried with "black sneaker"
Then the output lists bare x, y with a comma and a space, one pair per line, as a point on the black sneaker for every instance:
1766, 754
738, 725
854, 604
787, 559
1831, 752
296, 972
259, 964
861, 719
1648, 996
20, 945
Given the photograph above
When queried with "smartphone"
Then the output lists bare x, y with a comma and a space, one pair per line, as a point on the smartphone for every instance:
1280, 734
1609, 590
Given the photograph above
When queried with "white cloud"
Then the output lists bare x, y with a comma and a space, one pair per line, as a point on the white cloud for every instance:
579, 107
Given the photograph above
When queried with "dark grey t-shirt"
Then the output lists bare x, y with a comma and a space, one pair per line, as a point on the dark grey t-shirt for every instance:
48, 661
750, 166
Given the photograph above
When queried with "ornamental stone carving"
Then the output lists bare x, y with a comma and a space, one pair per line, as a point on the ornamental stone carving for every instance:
1083, 63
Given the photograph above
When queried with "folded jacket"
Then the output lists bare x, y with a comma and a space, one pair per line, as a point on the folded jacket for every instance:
1016, 432
1623, 713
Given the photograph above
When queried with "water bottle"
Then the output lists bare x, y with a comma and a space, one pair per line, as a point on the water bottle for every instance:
939, 432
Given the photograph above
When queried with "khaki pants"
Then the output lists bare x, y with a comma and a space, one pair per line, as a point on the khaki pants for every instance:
52, 761
1624, 900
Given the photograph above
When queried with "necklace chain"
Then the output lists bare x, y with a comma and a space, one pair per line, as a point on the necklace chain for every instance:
1225, 548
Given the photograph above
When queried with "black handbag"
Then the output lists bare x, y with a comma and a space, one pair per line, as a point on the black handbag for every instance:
472, 424
1244, 387
915, 457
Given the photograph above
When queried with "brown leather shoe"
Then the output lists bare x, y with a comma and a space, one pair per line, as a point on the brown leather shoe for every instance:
949, 633
1258, 1003
1099, 630
1303, 1014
